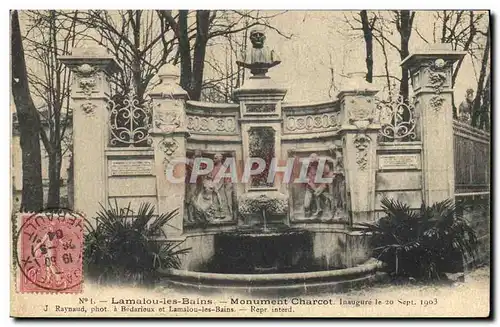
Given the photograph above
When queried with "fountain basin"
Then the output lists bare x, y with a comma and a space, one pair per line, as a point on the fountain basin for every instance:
296, 283
254, 250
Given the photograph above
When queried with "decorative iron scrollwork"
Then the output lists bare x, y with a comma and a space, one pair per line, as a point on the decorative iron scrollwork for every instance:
129, 122
397, 117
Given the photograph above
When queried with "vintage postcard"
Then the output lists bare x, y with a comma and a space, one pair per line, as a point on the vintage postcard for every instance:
227, 163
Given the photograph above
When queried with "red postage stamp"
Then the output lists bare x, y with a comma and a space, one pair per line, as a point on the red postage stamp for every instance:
50, 249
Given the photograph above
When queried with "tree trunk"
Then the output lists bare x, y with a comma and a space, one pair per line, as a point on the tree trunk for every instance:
406, 21
486, 105
54, 194
184, 50
200, 47
368, 36
29, 124
135, 17
476, 105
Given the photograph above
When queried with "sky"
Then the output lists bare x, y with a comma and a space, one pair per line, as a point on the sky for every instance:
321, 43
322, 40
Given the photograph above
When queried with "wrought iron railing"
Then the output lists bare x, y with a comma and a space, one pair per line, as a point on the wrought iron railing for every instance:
397, 117
129, 122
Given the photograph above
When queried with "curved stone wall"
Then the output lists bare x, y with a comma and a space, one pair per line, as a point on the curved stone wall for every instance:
305, 128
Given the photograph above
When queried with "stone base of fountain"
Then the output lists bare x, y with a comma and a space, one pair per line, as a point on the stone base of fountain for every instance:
283, 284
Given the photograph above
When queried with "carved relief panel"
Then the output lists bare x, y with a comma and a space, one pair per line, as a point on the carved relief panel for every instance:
317, 188
360, 110
209, 200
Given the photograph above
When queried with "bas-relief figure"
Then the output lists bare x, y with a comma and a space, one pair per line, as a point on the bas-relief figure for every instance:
318, 200
317, 195
209, 200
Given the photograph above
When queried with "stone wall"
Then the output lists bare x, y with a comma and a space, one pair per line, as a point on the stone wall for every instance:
130, 177
399, 174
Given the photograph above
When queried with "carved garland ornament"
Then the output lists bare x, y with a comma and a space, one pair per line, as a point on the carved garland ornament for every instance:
362, 142
88, 108
87, 81
437, 78
168, 146
322, 122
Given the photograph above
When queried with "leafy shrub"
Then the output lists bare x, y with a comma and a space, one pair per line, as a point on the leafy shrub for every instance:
424, 243
122, 247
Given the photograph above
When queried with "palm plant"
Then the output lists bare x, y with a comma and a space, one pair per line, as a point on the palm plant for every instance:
424, 243
122, 246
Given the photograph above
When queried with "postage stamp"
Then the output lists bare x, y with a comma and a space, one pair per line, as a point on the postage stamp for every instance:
50, 249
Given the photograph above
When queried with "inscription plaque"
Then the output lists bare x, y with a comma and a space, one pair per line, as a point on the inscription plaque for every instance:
399, 161
131, 167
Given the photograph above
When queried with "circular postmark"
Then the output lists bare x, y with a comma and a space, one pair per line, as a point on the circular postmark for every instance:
50, 251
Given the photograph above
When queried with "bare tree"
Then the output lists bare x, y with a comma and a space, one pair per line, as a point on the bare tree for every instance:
223, 76
479, 112
403, 19
460, 29
464, 31
388, 76
29, 123
375, 26
367, 26
365, 23
400, 21
208, 25
141, 40
49, 36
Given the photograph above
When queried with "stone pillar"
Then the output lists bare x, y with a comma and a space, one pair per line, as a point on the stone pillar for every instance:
260, 108
431, 72
359, 131
91, 67
260, 124
169, 134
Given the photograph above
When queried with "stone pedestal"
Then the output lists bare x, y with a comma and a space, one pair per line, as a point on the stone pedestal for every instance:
169, 135
431, 72
359, 131
260, 111
91, 69
260, 124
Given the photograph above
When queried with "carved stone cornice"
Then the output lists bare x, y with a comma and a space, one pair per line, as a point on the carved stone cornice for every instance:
212, 124
312, 123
